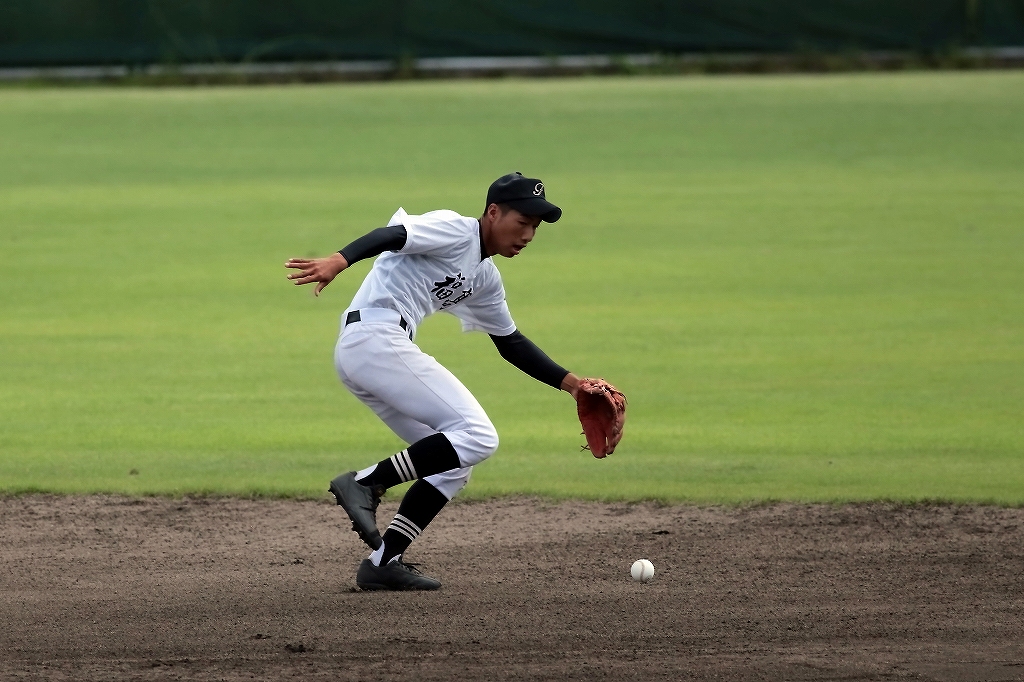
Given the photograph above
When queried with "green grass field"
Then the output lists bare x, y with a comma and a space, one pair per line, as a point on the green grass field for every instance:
810, 287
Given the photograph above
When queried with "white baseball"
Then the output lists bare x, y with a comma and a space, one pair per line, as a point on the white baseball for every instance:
642, 570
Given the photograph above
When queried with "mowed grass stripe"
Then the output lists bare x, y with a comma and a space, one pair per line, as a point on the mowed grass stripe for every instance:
809, 287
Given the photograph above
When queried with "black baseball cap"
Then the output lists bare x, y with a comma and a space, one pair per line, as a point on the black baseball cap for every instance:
526, 195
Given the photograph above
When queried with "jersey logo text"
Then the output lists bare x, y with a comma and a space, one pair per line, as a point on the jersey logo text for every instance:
451, 290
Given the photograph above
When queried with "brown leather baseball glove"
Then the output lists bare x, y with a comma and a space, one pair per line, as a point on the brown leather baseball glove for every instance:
602, 411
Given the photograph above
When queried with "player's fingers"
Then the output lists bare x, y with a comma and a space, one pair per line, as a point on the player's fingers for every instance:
309, 272
307, 279
297, 262
319, 287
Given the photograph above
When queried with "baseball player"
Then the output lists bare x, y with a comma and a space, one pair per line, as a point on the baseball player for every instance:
438, 261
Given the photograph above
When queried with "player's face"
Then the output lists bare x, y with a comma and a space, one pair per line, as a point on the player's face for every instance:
511, 232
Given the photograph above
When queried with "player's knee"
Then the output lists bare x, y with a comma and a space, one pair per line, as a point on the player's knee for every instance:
478, 443
488, 440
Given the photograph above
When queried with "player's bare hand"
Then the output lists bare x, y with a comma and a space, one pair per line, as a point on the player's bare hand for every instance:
571, 384
319, 270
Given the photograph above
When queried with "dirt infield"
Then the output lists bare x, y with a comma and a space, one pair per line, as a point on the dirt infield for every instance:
97, 588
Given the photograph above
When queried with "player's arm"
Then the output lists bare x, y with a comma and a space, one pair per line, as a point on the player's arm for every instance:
524, 354
324, 270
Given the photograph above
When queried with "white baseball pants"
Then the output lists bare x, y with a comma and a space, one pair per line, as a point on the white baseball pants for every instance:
413, 393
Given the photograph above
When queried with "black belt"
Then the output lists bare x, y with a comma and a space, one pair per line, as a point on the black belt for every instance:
353, 316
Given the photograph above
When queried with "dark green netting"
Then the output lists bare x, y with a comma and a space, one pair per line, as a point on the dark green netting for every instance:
57, 32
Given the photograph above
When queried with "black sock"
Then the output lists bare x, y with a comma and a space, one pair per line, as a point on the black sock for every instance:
419, 507
425, 457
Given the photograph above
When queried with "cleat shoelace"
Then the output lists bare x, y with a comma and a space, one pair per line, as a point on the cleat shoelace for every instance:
411, 567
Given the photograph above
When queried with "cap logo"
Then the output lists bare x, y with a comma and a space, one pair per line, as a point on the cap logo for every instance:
538, 190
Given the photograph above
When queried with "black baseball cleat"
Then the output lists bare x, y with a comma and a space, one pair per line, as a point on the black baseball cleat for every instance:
395, 575
360, 502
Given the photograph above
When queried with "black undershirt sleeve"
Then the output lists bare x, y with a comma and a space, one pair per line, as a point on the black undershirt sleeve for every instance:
525, 355
375, 243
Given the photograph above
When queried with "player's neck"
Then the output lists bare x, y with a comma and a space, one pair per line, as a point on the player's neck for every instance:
485, 233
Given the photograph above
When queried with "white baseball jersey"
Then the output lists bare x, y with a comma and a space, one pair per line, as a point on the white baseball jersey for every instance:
438, 269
